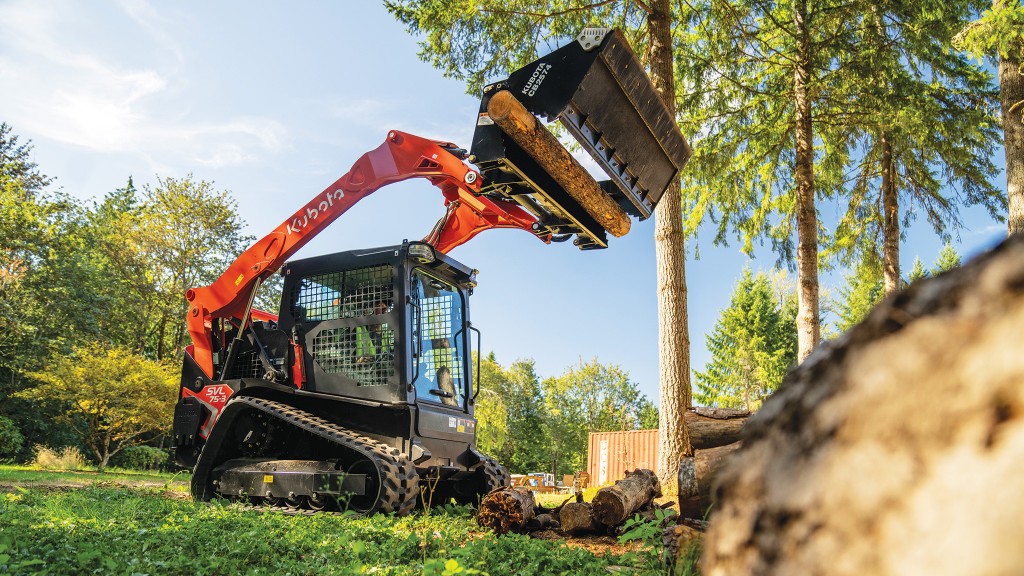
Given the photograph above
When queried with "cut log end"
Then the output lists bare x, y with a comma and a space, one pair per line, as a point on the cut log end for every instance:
507, 509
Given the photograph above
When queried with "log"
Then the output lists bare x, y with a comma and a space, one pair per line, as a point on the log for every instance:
895, 448
516, 121
710, 427
507, 509
613, 504
578, 518
696, 476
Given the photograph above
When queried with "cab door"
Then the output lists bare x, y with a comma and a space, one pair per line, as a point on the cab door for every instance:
440, 367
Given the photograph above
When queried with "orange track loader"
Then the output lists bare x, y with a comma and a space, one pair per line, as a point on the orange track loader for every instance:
360, 389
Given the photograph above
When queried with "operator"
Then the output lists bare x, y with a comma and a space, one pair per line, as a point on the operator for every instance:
369, 339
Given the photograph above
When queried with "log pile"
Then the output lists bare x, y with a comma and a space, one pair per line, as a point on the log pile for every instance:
514, 509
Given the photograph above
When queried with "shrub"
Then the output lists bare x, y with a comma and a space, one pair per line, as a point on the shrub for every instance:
68, 458
11, 439
140, 458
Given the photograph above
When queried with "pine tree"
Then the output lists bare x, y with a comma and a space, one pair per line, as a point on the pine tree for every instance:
752, 345
918, 272
999, 32
921, 125
947, 260
864, 289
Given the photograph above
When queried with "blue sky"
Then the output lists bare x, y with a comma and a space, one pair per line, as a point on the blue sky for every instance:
274, 101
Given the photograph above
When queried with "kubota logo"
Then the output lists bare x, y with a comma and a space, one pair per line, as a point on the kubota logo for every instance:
539, 73
302, 221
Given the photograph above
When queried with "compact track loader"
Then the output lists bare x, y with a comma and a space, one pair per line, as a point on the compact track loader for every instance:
359, 391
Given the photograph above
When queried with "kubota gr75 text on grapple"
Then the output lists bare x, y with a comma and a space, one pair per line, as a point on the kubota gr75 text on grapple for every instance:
360, 390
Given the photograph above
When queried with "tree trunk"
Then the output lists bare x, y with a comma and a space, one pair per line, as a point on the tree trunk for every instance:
507, 509
891, 219
670, 254
578, 518
807, 320
1011, 92
696, 476
614, 504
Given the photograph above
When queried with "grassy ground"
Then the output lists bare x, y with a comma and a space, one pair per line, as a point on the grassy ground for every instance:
26, 476
118, 523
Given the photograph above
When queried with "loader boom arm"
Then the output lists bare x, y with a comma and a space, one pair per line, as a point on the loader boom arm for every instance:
402, 156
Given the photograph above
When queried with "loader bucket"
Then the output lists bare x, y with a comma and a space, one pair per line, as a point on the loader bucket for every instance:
600, 92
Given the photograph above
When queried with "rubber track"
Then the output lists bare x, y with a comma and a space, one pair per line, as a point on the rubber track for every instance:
398, 478
496, 475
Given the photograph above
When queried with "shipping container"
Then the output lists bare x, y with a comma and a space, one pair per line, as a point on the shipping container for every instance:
610, 454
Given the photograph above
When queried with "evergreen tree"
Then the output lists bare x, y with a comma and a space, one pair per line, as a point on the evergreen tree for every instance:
999, 32
947, 260
918, 272
921, 123
16, 166
864, 289
752, 346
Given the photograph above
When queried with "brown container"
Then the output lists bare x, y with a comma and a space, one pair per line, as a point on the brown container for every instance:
610, 454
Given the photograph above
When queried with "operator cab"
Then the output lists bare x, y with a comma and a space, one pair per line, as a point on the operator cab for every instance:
388, 324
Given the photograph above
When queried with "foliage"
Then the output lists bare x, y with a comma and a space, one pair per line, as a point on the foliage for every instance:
917, 272
589, 397
117, 530
67, 458
17, 170
478, 41
948, 259
864, 289
999, 30
752, 345
111, 397
11, 438
530, 426
921, 119
189, 234
144, 458
512, 417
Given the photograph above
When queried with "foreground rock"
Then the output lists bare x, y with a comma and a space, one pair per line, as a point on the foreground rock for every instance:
898, 449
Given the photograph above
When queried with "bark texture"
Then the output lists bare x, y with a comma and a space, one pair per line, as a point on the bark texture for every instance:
807, 320
895, 449
1011, 92
670, 255
890, 219
516, 121
507, 509
614, 504
710, 431
697, 475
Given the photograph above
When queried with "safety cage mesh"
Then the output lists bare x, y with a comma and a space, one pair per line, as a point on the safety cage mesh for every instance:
365, 354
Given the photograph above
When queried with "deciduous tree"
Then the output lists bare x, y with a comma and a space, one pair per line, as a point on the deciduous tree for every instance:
111, 397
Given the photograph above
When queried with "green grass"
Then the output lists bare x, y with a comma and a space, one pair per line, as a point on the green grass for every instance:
11, 475
112, 527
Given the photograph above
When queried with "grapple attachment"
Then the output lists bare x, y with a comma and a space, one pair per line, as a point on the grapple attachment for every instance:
600, 92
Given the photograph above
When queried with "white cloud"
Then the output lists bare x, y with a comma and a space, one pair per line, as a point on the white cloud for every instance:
65, 88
